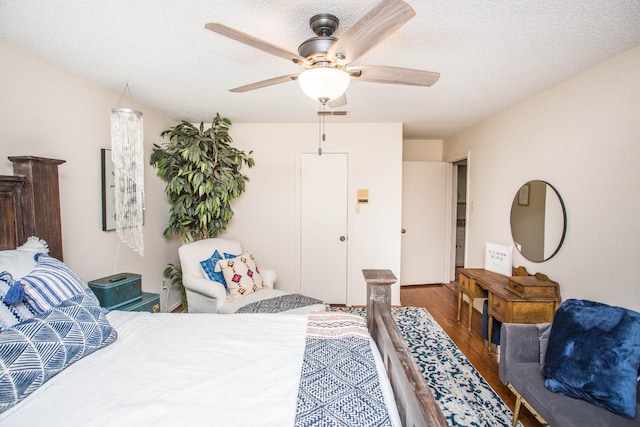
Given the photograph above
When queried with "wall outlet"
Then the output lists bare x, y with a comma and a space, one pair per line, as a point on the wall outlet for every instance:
163, 285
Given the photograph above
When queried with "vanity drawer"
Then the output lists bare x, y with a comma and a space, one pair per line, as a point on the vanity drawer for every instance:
522, 311
498, 307
533, 311
471, 288
463, 281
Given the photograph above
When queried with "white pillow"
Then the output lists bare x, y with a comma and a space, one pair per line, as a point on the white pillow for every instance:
241, 274
20, 261
35, 244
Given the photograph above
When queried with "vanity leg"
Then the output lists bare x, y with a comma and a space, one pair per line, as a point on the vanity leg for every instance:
470, 313
459, 305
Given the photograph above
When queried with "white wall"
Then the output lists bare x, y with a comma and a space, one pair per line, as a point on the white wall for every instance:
583, 137
266, 220
422, 150
49, 112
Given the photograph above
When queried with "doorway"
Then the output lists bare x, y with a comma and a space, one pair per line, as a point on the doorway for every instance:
460, 220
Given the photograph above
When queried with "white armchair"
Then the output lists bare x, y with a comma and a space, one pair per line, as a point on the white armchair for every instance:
208, 296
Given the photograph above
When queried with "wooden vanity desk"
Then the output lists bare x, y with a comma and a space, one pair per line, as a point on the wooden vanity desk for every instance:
518, 299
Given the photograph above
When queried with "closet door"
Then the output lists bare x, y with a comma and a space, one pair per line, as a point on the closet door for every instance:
323, 226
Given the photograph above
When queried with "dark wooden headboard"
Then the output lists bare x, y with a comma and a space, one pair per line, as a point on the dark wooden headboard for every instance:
30, 203
12, 229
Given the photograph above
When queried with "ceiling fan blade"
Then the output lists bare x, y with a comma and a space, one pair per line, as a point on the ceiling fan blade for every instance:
265, 83
255, 42
338, 102
393, 75
381, 21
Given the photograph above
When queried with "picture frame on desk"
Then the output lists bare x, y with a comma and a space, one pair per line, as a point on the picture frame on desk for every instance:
498, 258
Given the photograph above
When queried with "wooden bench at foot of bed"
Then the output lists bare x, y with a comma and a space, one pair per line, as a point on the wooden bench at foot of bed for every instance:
416, 404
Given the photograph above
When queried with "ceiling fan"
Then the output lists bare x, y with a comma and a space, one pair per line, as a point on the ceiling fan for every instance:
327, 59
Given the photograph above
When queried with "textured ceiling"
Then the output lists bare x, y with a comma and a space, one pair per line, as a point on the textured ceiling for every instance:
491, 54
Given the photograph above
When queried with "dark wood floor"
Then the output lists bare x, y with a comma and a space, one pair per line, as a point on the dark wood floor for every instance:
442, 302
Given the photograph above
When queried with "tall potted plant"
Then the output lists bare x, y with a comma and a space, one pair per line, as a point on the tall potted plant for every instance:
203, 175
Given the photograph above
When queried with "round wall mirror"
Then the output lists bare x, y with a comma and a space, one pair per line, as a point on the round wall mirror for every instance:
538, 221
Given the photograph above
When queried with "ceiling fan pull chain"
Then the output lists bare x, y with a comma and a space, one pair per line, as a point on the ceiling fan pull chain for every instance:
321, 133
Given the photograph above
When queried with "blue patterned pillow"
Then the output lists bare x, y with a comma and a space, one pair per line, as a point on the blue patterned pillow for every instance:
10, 314
50, 283
209, 267
35, 350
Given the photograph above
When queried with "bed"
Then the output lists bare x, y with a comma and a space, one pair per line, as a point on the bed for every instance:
210, 369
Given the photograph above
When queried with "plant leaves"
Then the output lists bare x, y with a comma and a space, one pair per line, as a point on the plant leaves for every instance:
202, 172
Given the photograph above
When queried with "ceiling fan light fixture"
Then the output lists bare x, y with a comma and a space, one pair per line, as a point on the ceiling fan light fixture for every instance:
324, 83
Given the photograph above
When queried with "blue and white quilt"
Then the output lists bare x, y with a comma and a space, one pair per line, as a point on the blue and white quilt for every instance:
339, 385
279, 304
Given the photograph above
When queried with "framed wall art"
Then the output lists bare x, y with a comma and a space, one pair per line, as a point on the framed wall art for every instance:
108, 191
523, 195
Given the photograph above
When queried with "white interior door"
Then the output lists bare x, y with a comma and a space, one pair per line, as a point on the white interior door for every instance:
323, 226
424, 223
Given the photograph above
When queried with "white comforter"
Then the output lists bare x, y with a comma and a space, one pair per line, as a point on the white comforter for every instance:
181, 370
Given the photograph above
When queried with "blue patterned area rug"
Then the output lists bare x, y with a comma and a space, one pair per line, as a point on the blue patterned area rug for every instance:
465, 397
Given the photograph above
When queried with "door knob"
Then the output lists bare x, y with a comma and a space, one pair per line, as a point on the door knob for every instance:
342, 238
